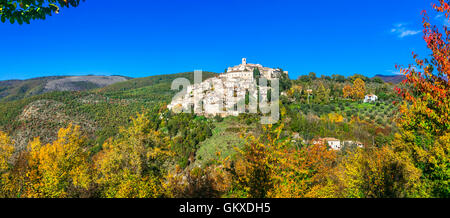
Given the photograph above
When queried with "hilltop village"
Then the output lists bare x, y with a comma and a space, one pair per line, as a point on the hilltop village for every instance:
220, 95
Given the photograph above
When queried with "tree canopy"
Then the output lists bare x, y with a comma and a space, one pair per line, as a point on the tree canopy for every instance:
23, 11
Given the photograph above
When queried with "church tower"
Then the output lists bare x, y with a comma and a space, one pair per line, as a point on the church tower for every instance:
244, 61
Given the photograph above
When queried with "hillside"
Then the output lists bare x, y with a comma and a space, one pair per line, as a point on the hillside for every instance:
99, 111
394, 79
17, 89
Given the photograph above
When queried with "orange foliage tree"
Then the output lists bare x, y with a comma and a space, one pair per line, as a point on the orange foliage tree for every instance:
270, 166
424, 121
375, 173
347, 91
357, 91
6, 151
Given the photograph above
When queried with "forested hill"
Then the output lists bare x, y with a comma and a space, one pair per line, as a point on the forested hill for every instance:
27, 110
394, 79
17, 89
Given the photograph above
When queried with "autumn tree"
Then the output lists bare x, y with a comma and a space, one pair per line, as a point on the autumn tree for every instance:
6, 151
253, 170
130, 166
424, 122
347, 91
256, 73
270, 166
359, 89
59, 169
376, 173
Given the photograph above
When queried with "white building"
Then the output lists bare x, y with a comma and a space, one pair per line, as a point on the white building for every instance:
334, 143
220, 95
246, 70
370, 98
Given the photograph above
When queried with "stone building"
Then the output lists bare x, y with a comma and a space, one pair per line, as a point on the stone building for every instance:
220, 95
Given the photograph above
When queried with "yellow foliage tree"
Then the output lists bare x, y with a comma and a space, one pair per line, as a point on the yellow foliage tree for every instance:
359, 89
376, 173
347, 91
335, 117
6, 151
130, 165
59, 169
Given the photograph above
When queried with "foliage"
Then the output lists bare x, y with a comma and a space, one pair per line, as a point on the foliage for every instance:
60, 169
357, 91
130, 165
377, 173
269, 166
26, 10
424, 123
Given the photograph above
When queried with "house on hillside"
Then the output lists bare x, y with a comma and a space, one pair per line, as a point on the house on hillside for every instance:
334, 143
370, 98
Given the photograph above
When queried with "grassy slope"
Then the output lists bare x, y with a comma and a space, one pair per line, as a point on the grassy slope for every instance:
222, 142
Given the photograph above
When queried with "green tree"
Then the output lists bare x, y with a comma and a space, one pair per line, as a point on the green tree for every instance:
256, 73
26, 10
322, 95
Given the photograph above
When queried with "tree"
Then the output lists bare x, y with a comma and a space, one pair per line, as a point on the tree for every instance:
285, 81
322, 95
130, 166
378, 173
312, 76
359, 89
6, 151
269, 166
347, 91
26, 10
424, 121
253, 170
359, 76
256, 73
60, 169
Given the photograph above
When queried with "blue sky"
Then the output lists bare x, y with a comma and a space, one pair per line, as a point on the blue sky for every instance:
140, 38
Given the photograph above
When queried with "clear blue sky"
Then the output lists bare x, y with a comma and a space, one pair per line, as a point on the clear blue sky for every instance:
141, 38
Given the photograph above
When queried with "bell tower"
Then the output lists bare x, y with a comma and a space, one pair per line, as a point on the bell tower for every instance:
244, 61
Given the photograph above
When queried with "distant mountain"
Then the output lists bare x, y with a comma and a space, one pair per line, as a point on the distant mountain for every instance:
18, 89
391, 78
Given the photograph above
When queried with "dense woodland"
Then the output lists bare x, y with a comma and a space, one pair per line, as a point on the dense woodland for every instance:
121, 141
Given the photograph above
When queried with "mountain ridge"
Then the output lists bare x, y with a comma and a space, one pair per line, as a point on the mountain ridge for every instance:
17, 89
391, 78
